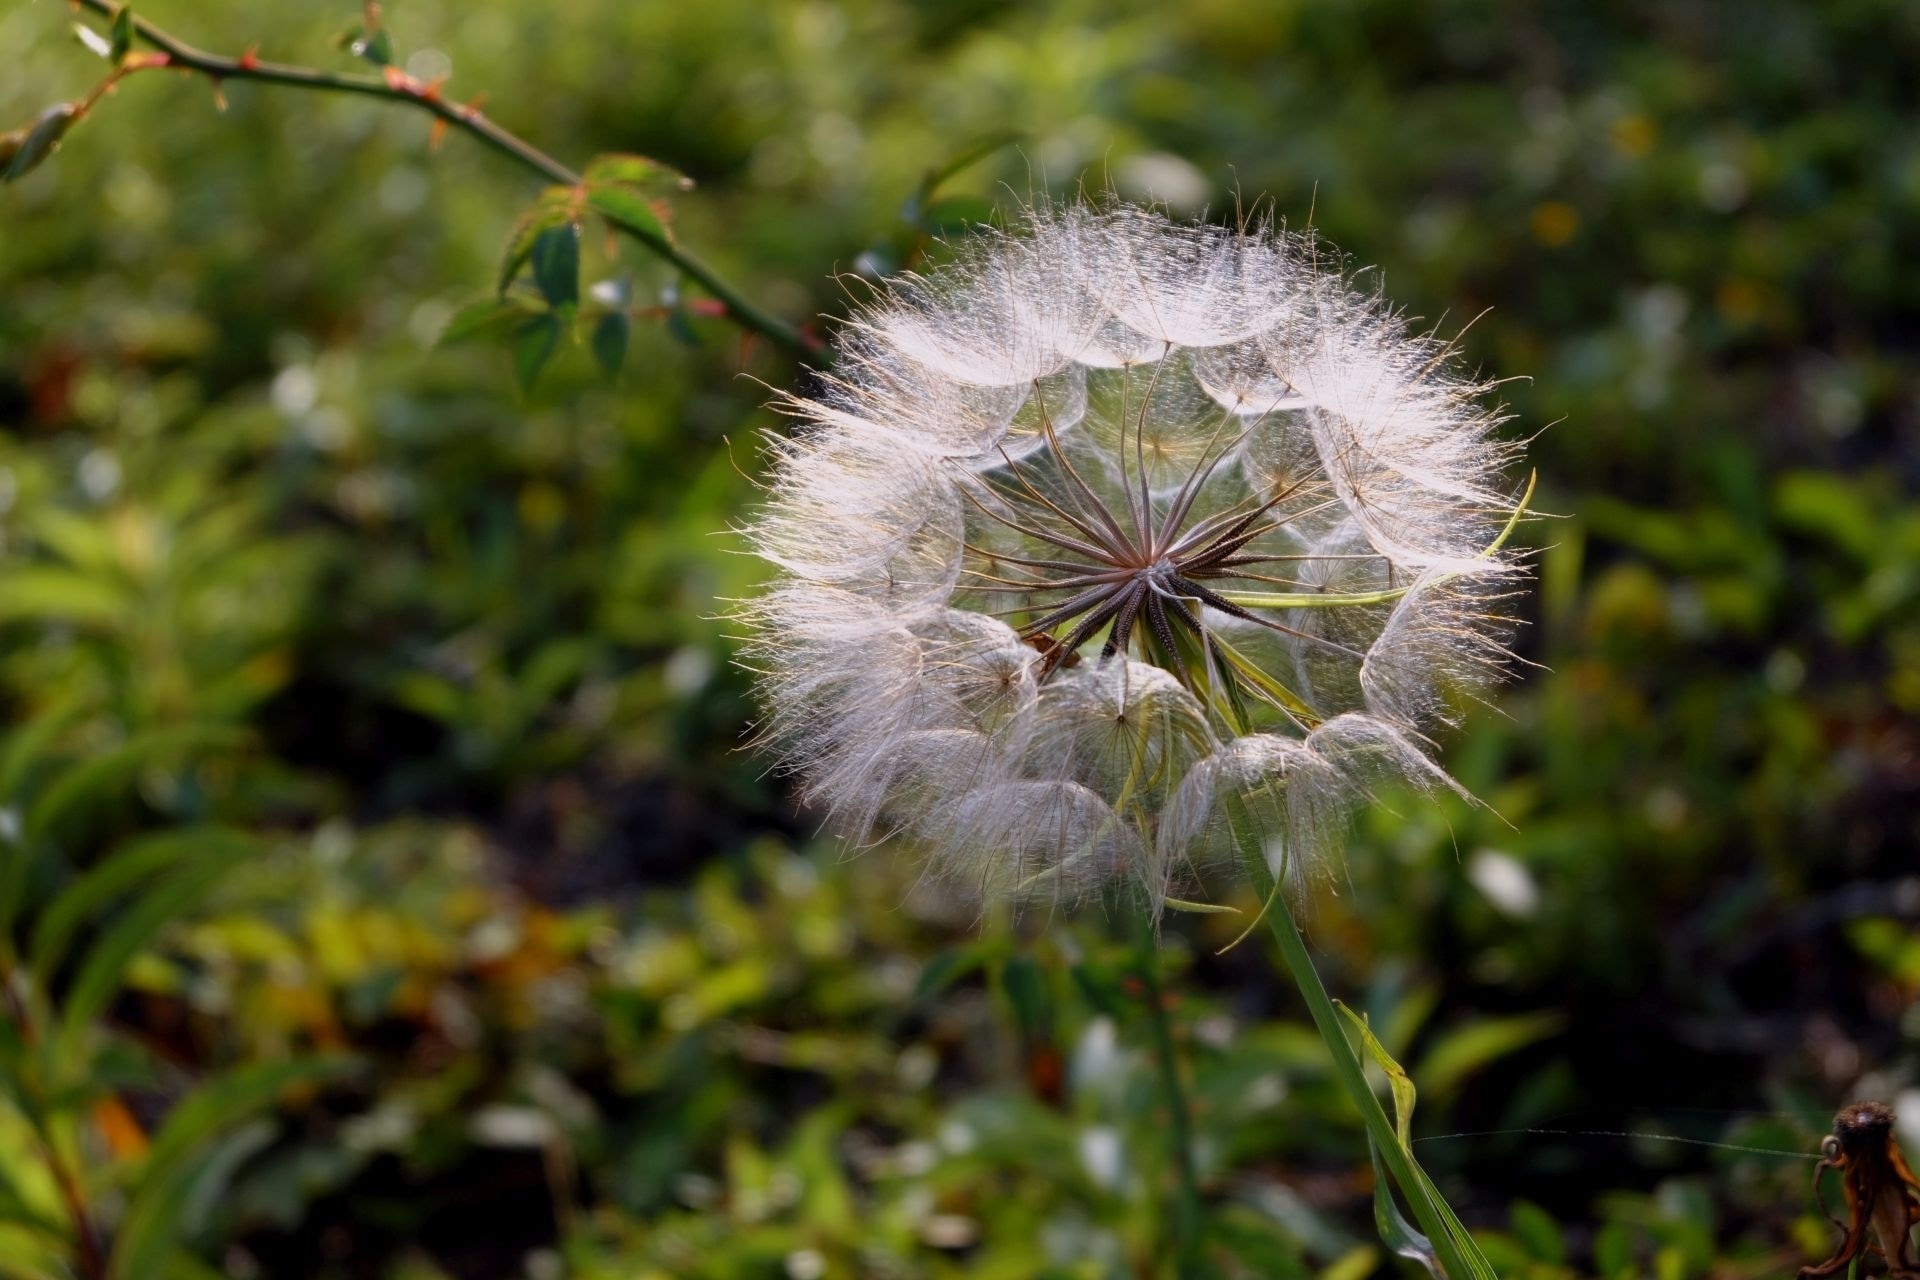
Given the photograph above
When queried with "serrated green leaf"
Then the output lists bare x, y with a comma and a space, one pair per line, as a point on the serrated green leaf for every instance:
533, 345
39, 140
610, 334
490, 318
634, 171
628, 209
555, 257
554, 207
122, 32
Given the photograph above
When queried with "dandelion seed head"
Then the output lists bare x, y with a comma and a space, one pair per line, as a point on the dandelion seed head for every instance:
1113, 528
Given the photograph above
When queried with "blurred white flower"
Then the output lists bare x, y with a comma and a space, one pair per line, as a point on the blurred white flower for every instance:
1108, 522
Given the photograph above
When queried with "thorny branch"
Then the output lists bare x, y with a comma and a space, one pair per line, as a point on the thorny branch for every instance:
397, 86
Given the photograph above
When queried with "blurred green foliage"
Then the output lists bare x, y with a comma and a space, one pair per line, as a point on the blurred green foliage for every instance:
423, 915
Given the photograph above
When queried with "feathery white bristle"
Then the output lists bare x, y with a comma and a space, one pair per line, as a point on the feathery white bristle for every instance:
1111, 529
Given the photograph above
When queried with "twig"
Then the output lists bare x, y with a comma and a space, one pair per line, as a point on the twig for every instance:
397, 86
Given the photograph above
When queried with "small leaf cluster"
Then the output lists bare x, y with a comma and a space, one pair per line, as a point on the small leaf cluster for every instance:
625, 193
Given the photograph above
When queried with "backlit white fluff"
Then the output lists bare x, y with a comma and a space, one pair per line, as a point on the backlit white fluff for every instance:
1111, 530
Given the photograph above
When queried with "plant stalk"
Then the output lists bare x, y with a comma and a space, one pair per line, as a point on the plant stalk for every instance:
1346, 1060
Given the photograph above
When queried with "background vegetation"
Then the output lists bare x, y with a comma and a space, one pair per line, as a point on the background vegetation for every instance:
386, 891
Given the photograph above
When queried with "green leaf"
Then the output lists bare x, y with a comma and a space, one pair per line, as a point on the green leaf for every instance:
376, 48
1102, 989
29, 744
1613, 1253
610, 333
122, 32
1535, 1228
955, 213
680, 323
1458, 1054
946, 969
25, 149
552, 209
91, 780
158, 1201
1398, 1082
1026, 990
556, 264
48, 594
489, 318
1395, 1231
1459, 1244
634, 171
533, 346
105, 964
94, 892
965, 158
1199, 908
629, 210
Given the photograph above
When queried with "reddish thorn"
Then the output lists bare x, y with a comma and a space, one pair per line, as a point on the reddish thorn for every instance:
436, 135
250, 60
471, 110
399, 81
431, 89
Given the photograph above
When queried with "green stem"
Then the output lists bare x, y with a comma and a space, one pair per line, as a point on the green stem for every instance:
468, 119
1186, 1209
1346, 1061
88, 1242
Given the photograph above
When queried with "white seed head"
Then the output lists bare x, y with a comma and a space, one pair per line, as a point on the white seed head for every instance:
1112, 531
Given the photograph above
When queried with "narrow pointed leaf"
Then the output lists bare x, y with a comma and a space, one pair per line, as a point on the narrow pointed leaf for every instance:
88, 897
155, 1210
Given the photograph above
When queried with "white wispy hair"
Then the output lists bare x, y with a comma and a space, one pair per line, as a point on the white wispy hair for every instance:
1111, 534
